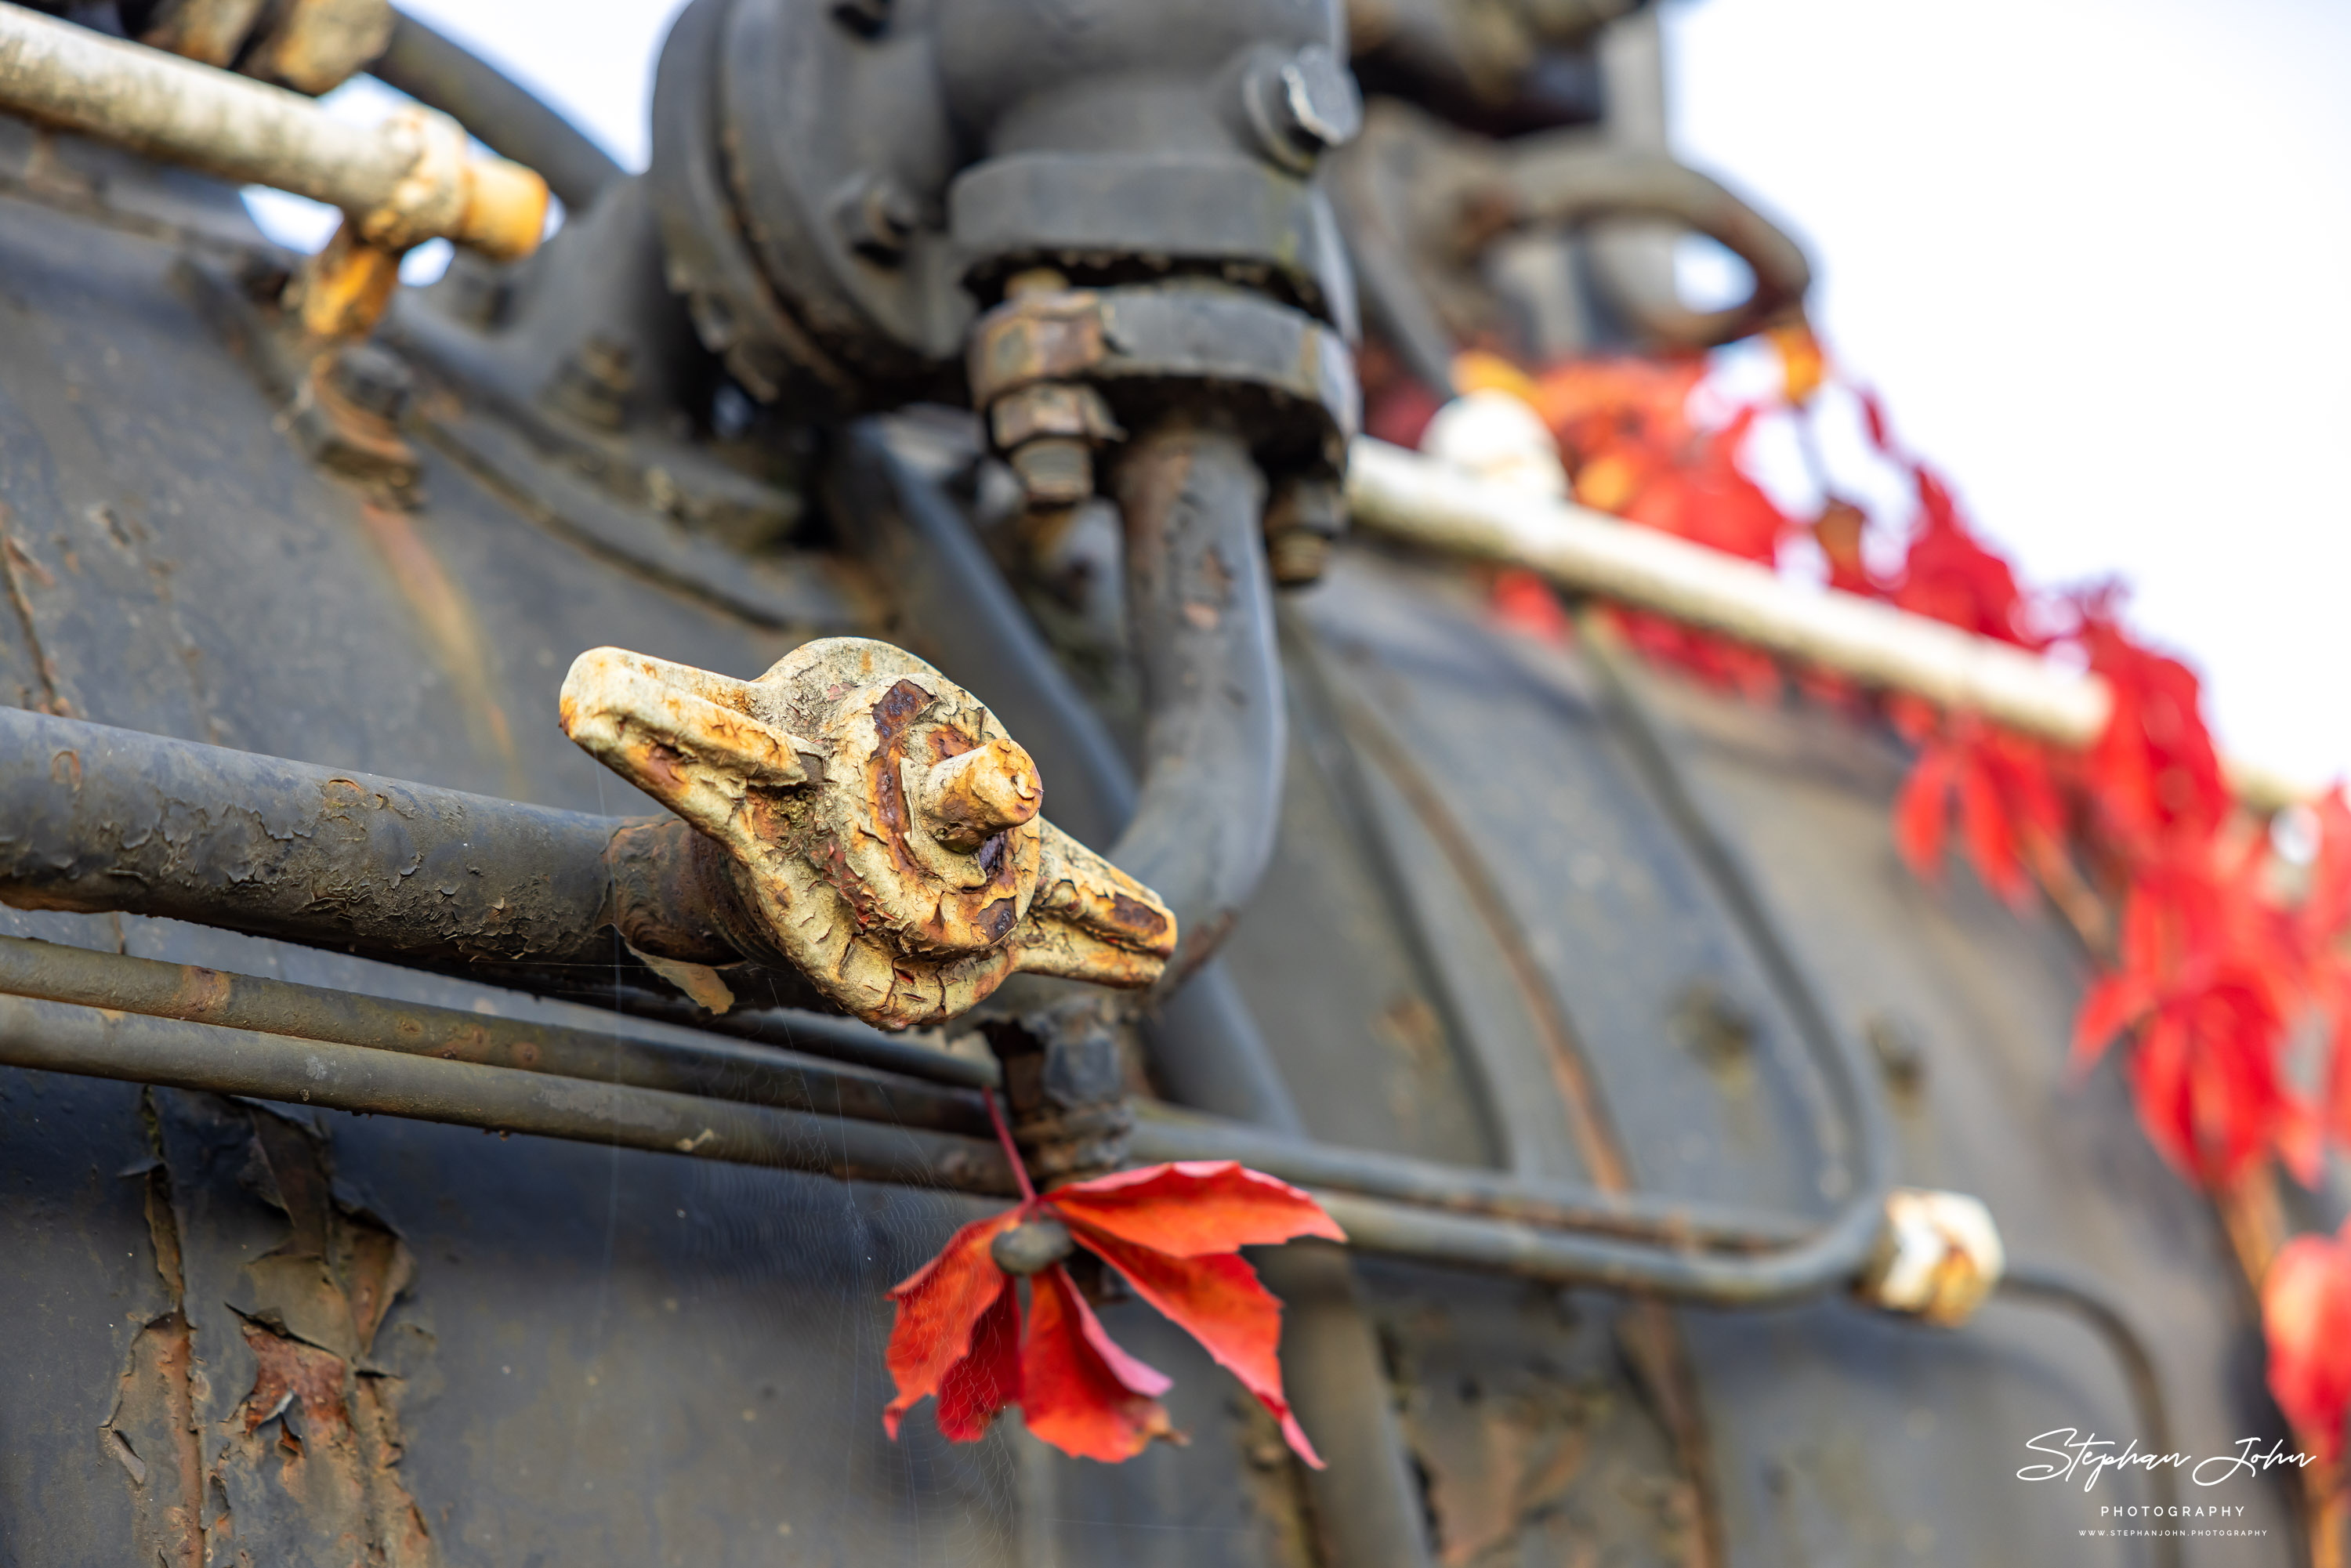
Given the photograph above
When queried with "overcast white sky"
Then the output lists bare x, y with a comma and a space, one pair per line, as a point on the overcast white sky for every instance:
2091, 252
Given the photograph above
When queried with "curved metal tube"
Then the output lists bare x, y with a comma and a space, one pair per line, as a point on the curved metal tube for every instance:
1564, 179
505, 116
2039, 1285
1200, 603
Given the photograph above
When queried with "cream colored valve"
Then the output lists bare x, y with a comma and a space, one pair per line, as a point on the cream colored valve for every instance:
883, 831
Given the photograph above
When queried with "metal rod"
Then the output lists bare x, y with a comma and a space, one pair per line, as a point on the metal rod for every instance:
1406, 497
717, 1069
60, 1037
104, 819
1164, 1132
441, 73
116, 821
1833, 1257
406, 182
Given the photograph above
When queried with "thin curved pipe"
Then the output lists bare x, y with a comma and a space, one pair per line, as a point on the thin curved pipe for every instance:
2039, 1285
505, 116
1565, 179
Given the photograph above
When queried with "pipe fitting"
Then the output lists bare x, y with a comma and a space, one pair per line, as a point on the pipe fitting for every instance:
1937, 1259
878, 829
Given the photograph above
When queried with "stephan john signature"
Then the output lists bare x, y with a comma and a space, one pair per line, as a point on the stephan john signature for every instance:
2074, 1453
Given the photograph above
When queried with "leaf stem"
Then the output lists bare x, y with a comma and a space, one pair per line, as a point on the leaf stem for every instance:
1011, 1153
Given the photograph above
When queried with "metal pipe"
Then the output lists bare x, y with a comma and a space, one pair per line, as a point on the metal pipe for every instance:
1406, 497
1833, 1257
1216, 736
402, 182
115, 821
1200, 607
713, 1069
441, 73
59, 1037
104, 819
1163, 1133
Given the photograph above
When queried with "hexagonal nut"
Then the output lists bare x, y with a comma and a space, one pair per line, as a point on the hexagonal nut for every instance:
1055, 470
1938, 1258
1050, 407
1301, 105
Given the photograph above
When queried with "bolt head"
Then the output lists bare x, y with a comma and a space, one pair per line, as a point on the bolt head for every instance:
372, 379
1319, 101
1056, 471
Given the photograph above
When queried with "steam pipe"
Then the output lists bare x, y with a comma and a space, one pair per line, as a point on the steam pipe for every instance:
405, 182
115, 821
1200, 606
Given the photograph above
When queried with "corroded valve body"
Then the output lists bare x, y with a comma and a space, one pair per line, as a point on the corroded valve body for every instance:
880, 831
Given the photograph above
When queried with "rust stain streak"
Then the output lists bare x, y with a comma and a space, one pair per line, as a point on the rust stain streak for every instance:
451, 625
15, 566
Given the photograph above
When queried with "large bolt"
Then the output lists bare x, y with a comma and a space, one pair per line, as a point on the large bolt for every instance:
967, 800
1306, 515
1302, 106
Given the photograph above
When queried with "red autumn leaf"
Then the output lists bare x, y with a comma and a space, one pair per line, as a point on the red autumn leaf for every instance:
2155, 775
1193, 1208
1172, 1231
1080, 1392
1922, 810
2209, 982
2306, 1317
939, 1306
1873, 422
1949, 574
979, 1388
1838, 530
1218, 1300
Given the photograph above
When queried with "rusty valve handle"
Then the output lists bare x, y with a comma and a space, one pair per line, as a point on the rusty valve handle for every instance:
880, 830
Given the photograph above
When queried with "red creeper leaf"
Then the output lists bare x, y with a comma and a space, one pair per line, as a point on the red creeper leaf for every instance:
1080, 1392
1194, 1207
1215, 1299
